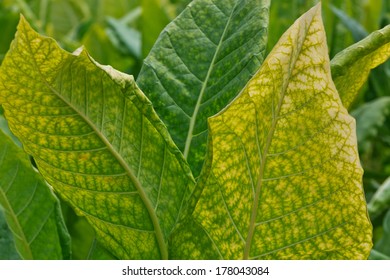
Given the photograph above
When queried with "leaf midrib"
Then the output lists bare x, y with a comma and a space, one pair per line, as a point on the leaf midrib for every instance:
204, 86
118, 157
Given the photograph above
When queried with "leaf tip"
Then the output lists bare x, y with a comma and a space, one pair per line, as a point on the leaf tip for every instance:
23, 23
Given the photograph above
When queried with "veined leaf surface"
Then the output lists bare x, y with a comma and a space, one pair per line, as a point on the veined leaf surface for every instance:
97, 141
285, 180
31, 210
200, 62
351, 67
7, 244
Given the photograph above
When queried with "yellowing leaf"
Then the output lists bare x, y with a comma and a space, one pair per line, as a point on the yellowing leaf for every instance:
351, 67
285, 180
98, 142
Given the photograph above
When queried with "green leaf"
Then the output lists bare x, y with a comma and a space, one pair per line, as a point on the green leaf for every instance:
200, 62
84, 243
97, 141
97, 252
100, 46
5, 129
129, 37
351, 67
357, 30
382, 247
370, 118
376, 255
32, 211
7, 244
380, 201
285, 180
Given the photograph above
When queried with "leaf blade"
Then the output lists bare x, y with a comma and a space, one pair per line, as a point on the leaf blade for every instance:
74, 124
31, 210
370, 118
197, 66
380, 200
7, 244
351, 67
274, 153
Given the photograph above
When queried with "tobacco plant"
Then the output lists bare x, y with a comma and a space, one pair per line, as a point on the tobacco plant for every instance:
215, 152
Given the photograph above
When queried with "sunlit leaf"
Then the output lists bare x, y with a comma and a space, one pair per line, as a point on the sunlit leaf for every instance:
285, 180
97, 141
351, 67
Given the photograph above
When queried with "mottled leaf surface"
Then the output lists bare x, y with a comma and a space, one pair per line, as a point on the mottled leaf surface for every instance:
97, 141
199, 63
32, 211
285, 180
351, 67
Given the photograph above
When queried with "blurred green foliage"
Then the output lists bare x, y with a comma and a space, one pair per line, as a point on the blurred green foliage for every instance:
110, 30
122, 32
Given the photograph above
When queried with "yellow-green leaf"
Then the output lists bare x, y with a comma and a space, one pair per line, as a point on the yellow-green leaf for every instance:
285, 180
97, 140
351, 67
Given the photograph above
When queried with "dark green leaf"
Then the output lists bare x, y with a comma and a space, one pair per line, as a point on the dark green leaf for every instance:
383, 245
370, 118
380, 201
200, 62
7, 244
31, 209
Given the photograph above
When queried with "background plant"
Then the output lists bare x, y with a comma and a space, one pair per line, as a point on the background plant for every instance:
105, 31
